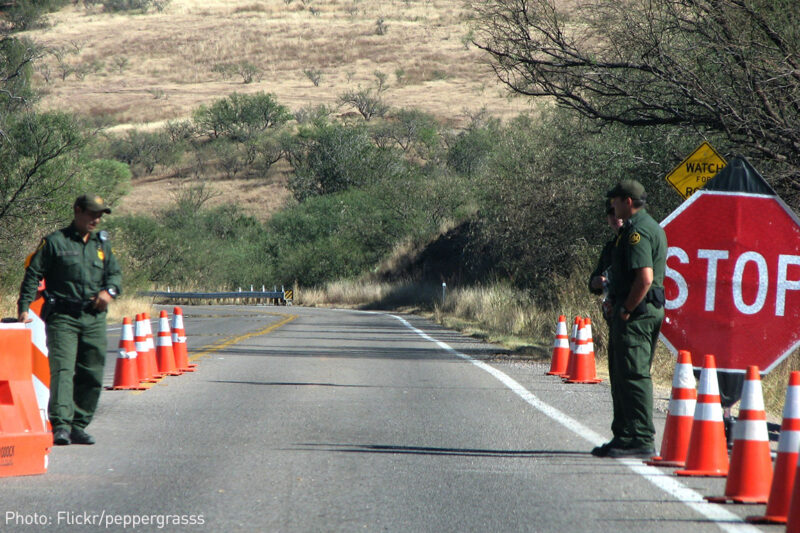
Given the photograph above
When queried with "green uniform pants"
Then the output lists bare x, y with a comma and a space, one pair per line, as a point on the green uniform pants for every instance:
76, 348
634, 344
617, 420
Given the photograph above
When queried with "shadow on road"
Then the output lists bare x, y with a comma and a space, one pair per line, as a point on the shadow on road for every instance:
426, 450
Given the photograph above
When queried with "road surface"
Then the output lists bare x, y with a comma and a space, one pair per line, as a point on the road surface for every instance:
327, 420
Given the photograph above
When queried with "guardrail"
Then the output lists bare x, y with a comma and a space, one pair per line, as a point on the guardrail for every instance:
282, 297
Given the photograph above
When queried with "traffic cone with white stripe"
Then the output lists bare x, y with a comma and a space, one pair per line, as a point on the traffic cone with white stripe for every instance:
558, 365
708, 450
784, 476
793, 521
151, 345
680, 415
165, 357
573, 347
750, 473
179, 342
126, 376
584, 370
145, 359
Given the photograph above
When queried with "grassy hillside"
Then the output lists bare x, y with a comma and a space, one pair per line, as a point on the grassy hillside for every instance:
141, 70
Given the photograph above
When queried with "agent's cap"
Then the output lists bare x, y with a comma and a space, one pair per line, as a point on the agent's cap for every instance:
92, 202
628, 189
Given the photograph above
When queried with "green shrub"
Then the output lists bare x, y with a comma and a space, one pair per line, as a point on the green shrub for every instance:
25, 15
241, 116
16, 59
143, 151
331, 237
246, 70
142, 6
470, 150
333, 158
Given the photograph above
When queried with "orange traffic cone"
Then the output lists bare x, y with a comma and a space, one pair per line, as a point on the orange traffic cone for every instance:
558, 365
145, 359
584, 370
165, 357
680, 414
126, 376
750, 473
708, 450
788, 451
793, 520
573, 346
179, 342
151, 345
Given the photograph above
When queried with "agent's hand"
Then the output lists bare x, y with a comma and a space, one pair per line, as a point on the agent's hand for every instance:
102, 300
598, 282
23, 317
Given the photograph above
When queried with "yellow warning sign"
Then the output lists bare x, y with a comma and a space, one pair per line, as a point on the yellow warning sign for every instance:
694, 171
287, 294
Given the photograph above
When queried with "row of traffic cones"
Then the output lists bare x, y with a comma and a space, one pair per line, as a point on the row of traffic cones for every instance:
698, 442
141, 361
573, 358
694, 433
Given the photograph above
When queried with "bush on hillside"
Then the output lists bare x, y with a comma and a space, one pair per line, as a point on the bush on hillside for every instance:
469, 151
333, 158
24, 15
241, 116
116, 6
415, 132
143, 150
331, 237
16, 60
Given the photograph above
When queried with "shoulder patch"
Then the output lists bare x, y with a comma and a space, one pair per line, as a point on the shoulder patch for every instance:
635, 238
30, 257
103, 236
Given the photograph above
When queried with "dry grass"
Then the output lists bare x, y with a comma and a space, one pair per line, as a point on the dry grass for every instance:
259, 197
124, 306
128, 306
175, 52
169, 58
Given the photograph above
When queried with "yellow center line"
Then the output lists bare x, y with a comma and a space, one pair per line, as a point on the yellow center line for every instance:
233, 340
230, 341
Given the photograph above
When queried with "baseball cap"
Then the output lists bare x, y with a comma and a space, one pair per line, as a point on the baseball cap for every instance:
628, 189
92, 202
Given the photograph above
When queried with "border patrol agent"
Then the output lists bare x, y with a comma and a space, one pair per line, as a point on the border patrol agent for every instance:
599, 283
637, 283
81, 278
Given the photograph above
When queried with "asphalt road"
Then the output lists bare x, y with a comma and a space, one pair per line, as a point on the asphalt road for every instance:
323, 420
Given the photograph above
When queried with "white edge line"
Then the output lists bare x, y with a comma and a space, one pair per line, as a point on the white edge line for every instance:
723, 518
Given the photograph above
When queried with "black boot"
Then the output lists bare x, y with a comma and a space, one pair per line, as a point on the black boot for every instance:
729, 423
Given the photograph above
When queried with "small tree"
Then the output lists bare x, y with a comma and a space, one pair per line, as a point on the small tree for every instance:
120, 63
368, 104
240, 116
315, 75
381, 27
244, 69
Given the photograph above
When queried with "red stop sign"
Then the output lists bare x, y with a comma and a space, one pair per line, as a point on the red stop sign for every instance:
733, 279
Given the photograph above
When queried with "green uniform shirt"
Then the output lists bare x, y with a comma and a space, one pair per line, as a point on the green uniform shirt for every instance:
603, 264
641, 243
72, 270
